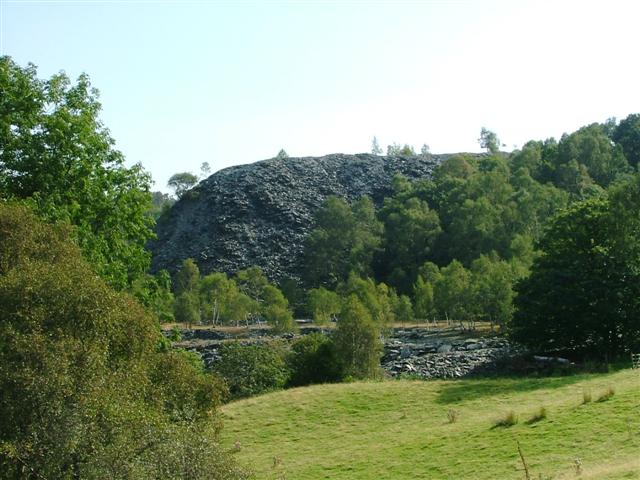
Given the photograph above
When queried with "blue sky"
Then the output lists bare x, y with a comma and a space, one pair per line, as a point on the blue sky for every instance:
233, 82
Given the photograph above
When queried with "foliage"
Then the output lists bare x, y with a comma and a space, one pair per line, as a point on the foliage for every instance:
56, 153
282, 154
583, 290
252, 369
489, 141
377, 299
313, 360
186, 308
357, 341
160, 204
324, 305
410, 231
182, 182
86, 393
344, 239
627, 136
375, 147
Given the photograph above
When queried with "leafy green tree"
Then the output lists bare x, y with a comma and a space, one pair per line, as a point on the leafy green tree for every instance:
591, 146
160, 203
357, 341
344, 239
86, 393
583, 290
452, 293
424, 299
627, 136
324, 305
405, 150
182, 182
154, 292
403, 309
282, 154
186, 308
492, 289
489, 141
187, 279
56, 154
410, 231
377, 299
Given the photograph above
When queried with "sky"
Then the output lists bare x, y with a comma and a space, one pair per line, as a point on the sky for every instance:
232, 82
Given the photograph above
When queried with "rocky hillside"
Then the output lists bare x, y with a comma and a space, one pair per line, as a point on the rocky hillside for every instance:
259, 214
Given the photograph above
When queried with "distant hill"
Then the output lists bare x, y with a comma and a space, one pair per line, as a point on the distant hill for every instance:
259, 214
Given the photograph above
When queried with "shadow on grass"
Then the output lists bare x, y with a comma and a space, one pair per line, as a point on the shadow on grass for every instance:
473, 389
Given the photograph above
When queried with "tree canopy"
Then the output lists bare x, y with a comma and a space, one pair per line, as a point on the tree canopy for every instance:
583, 290
56, 154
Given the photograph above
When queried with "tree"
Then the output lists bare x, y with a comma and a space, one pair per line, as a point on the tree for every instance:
410, 231
86, 392
182, 182
452, 292
357, 341
344, 239
282, 154
627, 135
187, 278
492, 289
205, 170
583, 292
425, 150
324, 305
489, 141
424, 301
375, 147
56, 154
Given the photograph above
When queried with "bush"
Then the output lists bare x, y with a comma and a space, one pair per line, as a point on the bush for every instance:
313, 360
610, 392
541, 414
86, 392
253, 369
508, 420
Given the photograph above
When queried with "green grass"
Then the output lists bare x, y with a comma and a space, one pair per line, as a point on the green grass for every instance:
401, 429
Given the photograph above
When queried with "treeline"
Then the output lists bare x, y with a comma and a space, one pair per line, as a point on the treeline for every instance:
456, 244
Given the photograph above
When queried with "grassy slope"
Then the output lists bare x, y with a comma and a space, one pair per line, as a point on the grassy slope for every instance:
399, 429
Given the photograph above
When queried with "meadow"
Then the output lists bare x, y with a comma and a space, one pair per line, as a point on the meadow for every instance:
582, 426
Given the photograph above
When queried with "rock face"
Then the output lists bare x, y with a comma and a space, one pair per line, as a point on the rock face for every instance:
260, 214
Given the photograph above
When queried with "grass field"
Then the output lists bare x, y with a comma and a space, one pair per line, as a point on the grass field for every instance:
401, 429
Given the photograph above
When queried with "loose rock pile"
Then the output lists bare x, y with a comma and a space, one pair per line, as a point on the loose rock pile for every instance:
425, 354
260, 214
416, 352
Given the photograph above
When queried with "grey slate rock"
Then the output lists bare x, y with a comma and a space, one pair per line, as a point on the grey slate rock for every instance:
260, 214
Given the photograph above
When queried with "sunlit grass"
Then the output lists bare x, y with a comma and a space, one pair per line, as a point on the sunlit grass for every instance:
402, 430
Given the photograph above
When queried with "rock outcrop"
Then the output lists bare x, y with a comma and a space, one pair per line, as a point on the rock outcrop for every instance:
260, 214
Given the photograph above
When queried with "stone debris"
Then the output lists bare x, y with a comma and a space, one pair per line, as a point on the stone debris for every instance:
416, 352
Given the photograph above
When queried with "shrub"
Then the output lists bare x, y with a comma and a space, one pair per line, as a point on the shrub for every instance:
452, 415
313, 360
86, 392
253, 369
508, 420
610, 392
540, 414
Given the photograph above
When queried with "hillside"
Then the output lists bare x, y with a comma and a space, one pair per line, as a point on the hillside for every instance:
400, 429
259, 214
